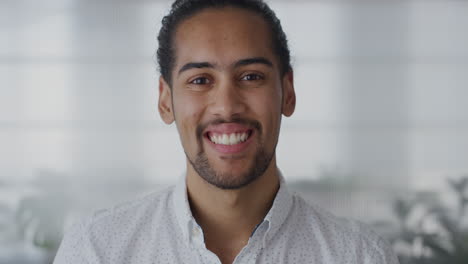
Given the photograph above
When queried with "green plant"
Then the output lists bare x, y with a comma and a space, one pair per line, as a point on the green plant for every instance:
430, 231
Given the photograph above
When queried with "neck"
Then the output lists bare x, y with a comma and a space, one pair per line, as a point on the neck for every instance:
230, 216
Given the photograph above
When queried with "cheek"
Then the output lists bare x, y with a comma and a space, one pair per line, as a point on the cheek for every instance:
267, 109
187, 113
267, 104
186, 107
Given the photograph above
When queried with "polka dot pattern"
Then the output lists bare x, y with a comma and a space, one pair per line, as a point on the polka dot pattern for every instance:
160, 228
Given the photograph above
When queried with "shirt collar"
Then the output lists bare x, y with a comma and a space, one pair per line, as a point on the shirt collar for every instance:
182, 208
275, 217
279, 211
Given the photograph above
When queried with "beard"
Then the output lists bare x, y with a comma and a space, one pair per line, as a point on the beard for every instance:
229, 180
232, 180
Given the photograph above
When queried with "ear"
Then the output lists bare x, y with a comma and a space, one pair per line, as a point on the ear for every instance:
165, 102
289, 95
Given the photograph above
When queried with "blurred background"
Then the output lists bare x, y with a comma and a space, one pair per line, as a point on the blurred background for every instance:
380, 132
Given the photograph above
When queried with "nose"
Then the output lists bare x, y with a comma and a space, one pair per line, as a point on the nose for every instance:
227, 100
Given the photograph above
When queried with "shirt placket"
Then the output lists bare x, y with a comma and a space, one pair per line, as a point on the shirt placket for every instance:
250, 253
203, 255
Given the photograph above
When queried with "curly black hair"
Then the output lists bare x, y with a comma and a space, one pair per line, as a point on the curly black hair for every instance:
183, 9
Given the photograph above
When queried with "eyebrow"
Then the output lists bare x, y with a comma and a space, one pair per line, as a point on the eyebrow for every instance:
197, 65
255, 60
240, 63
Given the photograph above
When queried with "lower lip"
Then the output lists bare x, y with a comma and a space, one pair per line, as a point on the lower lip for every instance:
231, 149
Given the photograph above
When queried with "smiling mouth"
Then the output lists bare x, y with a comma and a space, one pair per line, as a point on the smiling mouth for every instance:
229, 139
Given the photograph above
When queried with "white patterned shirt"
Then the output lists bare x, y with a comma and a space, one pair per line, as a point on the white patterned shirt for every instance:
160, 228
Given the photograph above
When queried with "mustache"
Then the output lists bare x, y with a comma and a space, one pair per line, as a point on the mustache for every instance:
238, 120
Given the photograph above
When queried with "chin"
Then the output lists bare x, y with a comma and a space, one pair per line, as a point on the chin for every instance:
230, 171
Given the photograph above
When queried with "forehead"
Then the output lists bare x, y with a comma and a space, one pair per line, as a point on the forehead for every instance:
222, 36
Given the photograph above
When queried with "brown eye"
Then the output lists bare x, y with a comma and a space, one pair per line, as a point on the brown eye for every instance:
252, 77
200, 81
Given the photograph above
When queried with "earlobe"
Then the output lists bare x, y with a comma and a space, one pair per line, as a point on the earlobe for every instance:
165, 102
289, 95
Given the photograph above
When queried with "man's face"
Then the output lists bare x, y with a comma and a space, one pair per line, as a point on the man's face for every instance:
227, 95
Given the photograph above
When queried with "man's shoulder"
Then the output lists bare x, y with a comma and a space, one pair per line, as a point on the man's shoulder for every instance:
332, 231
137, 209
135, 215
316, 216
131, 224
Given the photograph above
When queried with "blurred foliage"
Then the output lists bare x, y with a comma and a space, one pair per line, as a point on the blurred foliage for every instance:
330, 180
40, 216
430, 231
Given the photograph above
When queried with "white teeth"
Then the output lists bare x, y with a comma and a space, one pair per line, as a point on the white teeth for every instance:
243, 136
233, 139
229, 139
225, 140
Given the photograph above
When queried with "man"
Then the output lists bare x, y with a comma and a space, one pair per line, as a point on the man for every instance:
226, 81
